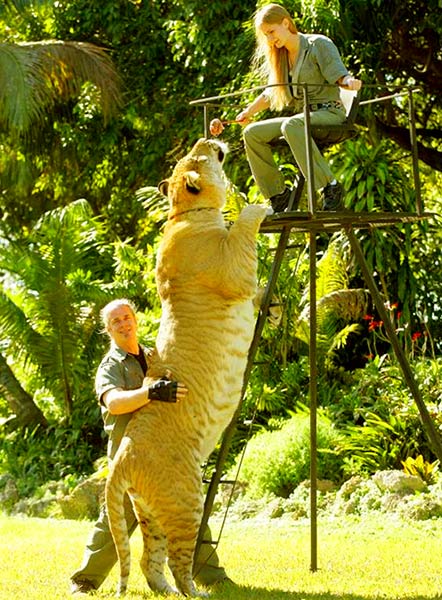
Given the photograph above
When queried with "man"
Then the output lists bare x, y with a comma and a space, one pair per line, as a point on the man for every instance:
121, 389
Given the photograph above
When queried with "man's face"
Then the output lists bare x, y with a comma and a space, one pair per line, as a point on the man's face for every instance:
122, 326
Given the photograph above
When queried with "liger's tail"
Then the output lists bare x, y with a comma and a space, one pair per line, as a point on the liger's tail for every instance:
115, 497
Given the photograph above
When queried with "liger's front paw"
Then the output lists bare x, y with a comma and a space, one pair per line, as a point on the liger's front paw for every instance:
256, 211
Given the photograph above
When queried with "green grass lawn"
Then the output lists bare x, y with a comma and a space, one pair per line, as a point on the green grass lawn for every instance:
358, 559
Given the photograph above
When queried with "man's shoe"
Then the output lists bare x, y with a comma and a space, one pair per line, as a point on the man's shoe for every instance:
281, 201
220, 582
332, 197
82, 588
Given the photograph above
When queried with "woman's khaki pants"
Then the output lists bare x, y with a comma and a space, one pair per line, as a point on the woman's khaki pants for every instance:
257, 140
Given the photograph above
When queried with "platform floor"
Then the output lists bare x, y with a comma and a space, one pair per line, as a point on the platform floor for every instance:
333, 221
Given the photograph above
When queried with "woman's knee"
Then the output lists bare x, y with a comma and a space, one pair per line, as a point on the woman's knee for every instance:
251, 131
292, 126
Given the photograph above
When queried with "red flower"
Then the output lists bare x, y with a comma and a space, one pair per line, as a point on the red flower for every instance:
374, 324
416, 336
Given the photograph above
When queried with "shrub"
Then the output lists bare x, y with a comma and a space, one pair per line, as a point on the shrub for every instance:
277, 461
62, 452
422, 468
380, 419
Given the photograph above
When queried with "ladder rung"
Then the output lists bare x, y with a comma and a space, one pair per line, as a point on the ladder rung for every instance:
288, 247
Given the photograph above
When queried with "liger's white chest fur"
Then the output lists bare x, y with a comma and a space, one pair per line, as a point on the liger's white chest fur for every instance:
206, 278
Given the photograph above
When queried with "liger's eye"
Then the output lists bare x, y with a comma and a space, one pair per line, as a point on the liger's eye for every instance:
220, 155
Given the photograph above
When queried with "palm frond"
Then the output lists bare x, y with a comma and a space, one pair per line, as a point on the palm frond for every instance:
68, 216
342, 305
16, 328
67, 65
20, 5
153, 201
19, 103
35, 76
331, 274
340, 338
349, 305
50, 297
152, 198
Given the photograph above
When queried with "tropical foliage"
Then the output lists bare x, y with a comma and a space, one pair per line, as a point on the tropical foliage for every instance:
94, 111
51, 286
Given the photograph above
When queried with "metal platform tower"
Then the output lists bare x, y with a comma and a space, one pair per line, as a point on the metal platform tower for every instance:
315, 222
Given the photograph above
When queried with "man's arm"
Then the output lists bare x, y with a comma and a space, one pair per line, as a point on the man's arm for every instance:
121, 402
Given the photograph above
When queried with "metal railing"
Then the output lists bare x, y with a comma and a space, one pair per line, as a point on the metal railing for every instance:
408, 91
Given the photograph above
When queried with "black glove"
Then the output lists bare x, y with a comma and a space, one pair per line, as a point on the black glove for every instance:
163, 390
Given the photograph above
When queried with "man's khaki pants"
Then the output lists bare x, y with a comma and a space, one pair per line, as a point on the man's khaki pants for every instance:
100, 555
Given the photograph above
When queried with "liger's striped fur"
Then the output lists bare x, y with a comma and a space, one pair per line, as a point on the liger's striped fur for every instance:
206, 278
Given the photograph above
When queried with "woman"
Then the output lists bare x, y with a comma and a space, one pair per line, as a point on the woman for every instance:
287, 56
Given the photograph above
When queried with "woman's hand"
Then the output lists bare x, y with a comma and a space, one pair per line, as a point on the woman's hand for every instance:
243, 118
350, 83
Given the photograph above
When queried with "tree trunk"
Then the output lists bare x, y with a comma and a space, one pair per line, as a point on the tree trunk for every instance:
401, 135
26, 412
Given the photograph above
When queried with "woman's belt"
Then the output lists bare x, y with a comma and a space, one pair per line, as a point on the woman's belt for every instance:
326, 105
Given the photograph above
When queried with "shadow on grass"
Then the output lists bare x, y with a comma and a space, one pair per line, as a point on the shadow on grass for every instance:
238, 592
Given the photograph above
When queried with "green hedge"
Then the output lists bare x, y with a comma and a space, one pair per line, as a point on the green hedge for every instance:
276, 462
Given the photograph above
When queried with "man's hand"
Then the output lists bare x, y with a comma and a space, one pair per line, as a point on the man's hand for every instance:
181, 392
165, 390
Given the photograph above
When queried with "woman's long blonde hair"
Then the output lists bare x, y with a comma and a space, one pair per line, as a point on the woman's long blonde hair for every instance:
272, 62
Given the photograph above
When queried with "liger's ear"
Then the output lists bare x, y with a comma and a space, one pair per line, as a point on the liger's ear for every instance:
192, 180
163, 187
